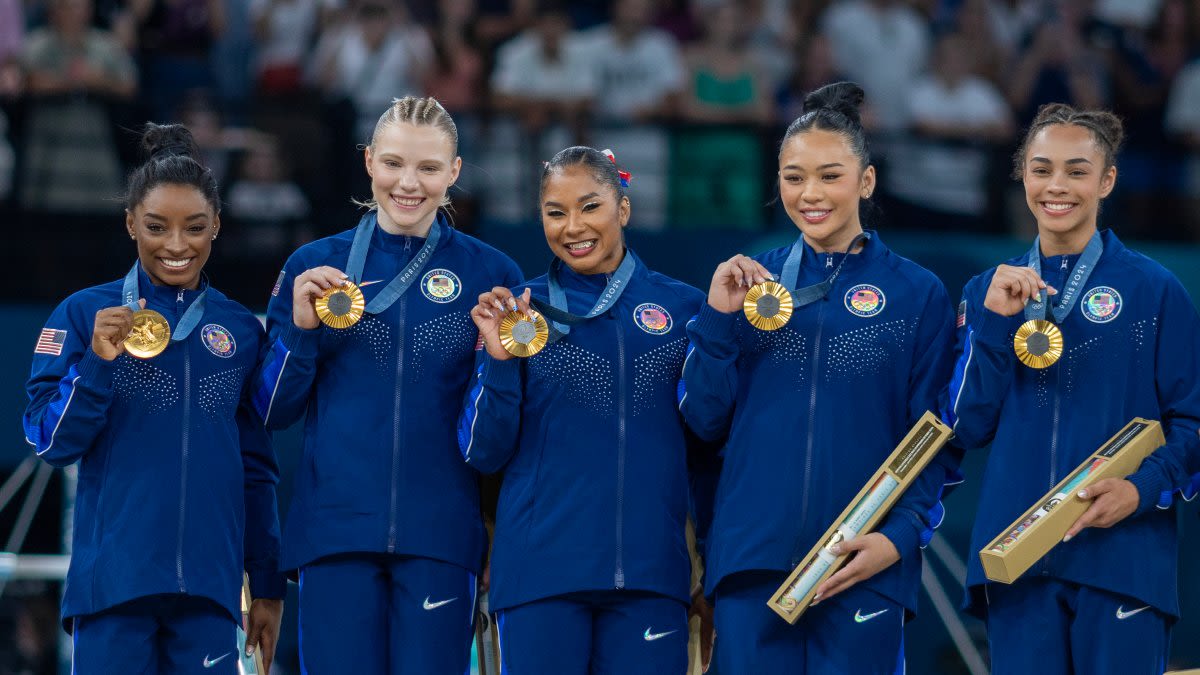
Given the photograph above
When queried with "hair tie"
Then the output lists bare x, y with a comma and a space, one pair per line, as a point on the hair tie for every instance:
623, 175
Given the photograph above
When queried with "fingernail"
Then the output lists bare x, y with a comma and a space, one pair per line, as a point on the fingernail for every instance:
490, 314
1083, 494
816, 599
249, 650
836, 549
1066, 538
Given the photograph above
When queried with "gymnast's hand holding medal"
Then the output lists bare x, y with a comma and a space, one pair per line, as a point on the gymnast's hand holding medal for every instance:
508, 325
325, 295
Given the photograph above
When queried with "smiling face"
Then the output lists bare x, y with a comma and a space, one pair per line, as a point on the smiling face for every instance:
1065, 178
411, 168
820, 183
583, 219
174, 226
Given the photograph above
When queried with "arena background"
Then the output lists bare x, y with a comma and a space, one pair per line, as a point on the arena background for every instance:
692, 95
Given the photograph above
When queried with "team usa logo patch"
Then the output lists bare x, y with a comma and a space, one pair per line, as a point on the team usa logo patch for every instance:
652, 318
441, 285
1101, 304
865, 300
278, 283
218, 340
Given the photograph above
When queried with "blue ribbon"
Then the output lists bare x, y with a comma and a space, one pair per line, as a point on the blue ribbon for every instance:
189, 320
556, 309
791, 272
1036, 309
397, 286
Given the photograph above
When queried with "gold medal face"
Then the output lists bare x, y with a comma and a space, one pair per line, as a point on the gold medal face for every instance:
1038, 343
150, 334
768, 306
341, 306
522, 335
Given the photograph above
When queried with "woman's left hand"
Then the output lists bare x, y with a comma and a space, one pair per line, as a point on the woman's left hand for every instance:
873, 553
1113, 500
262, 631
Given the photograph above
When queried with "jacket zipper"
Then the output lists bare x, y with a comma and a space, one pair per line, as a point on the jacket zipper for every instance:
1045, 563
619, 575
812, 407
187, 423
399, 400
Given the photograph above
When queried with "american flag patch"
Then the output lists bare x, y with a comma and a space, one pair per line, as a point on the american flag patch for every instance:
50, 342
479, 343
961, 320
278, 283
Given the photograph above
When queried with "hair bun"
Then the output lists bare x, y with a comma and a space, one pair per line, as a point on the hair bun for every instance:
167, 140
841, 97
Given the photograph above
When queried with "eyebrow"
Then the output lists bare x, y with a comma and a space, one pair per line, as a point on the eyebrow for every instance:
1077, 160
194, 216
430, 160
582, 199
830, 165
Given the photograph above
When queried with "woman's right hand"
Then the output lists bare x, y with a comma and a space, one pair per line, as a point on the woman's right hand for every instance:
110, 330
309, 286
492, 307
1012, 288
732, 280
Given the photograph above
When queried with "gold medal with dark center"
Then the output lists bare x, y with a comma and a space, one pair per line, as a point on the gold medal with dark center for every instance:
768, 306
341, 306
523, 334
1038, 343
149, 336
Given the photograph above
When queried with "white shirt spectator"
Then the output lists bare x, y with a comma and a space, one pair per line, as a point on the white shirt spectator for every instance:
946, 178
635, 76
522, 69
884, 49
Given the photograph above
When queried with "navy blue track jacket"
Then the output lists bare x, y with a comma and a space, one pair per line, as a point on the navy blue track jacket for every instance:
381, 471
1130, 351
594, 453
813, 409
177, 477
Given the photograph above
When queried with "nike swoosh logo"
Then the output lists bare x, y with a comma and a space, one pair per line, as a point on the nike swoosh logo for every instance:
651, 637
1121, 614
859, 617
434, 605
210, 664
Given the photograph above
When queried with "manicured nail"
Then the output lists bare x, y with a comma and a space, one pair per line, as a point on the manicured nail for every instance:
816, 599
836, 549
1083, 494
1066, 538
249, 650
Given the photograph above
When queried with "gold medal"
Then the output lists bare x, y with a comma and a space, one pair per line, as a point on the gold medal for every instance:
523, 335
768, 305
341, 306
149, 336
1038, 343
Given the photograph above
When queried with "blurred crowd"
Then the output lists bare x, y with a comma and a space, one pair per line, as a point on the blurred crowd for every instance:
691, 94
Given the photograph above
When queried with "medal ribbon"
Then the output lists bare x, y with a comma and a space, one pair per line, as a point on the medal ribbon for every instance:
556, 309
397, 286
791, 272
187, 322
1075, 282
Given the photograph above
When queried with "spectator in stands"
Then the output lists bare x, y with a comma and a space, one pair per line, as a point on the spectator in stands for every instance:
457, 75
544, 75
284, 30
173, 41
638, 68
955, 114
269, 208
812, 69
370, 61
70, 161
1183, 125
725, 86
991, 53
884, 45
1058, 64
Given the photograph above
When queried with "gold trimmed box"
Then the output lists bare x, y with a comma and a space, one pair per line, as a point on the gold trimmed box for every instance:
862, 515
1039, 529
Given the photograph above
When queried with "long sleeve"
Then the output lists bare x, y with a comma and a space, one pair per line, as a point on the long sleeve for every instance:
260, 477
70, 389
1177, 381
982, 374
491, 417
710, 380
911, 521
285, 377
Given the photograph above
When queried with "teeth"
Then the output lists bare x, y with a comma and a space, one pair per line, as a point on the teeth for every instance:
816, 214
407, 201
182, 262
1058, 207
583, 245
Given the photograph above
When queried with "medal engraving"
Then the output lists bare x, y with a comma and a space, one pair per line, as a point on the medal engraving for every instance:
149, 336
768, 306
1038, 343
523, 335
340, 307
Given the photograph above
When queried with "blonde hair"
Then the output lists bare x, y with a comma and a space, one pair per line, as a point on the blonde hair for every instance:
418, 111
